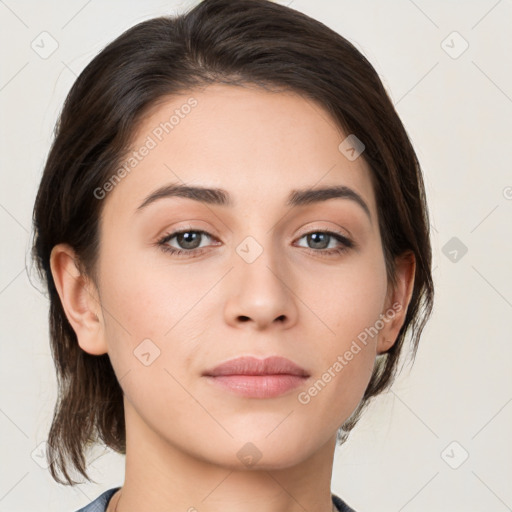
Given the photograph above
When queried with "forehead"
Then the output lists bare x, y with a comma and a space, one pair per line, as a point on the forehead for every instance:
257, 144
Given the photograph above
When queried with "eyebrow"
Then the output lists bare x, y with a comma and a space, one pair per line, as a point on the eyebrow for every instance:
221, 197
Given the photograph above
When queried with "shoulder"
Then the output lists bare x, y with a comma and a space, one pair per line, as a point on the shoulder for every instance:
100, 503
340, 504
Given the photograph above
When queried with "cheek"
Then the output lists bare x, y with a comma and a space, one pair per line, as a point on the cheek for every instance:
347, 301
157, 312
149, 301
153, 331
346, 298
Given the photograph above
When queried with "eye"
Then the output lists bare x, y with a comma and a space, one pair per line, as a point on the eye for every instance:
319, 242
188, 241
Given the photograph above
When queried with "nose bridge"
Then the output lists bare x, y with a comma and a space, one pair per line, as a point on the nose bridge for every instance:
259, 261
260, 289
260, 240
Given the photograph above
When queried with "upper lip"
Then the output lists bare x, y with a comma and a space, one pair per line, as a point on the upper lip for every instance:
248, 365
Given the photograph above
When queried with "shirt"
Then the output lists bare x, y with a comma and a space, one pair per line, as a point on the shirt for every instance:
101, 502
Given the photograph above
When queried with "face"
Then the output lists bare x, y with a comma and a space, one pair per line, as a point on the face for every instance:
256, 275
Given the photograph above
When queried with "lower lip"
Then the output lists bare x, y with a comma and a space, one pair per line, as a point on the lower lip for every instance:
258, 386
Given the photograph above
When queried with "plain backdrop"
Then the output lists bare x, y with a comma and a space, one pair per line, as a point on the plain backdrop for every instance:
440, 439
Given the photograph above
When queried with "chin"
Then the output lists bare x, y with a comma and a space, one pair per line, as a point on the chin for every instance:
261, 453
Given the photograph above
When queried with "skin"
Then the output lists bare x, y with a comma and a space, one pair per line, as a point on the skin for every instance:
183, 434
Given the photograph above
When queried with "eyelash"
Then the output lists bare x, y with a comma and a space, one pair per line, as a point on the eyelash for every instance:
193, 253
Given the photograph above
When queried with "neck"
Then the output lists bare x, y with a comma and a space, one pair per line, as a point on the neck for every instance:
162, 476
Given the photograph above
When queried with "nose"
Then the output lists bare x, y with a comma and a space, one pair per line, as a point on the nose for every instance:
260, 291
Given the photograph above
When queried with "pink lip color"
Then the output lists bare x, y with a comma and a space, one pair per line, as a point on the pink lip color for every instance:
258, 386
257, 378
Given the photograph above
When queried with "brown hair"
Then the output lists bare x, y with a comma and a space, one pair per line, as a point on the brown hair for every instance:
258, 42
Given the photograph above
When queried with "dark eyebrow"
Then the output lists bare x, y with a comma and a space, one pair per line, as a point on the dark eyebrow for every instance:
314, 195
221, 197
215, 196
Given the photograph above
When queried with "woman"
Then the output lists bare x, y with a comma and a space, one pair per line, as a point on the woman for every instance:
233, 229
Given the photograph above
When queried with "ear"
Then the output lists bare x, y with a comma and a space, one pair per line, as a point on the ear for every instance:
397, 301
80, 300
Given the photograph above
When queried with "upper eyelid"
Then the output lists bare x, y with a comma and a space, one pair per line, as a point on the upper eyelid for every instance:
173, 234
331, 232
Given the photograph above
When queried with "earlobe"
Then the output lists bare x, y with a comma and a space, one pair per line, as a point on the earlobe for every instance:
80, 300
397, 301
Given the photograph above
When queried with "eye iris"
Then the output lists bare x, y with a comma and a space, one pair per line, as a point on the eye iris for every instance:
189, 239
318, 239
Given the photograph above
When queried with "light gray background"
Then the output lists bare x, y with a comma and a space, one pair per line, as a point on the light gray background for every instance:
457, 108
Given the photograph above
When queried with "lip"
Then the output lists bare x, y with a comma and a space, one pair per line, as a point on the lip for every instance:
257, 378
248, 365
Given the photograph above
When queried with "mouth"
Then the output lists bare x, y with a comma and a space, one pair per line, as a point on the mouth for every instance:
258, 386
257, 378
